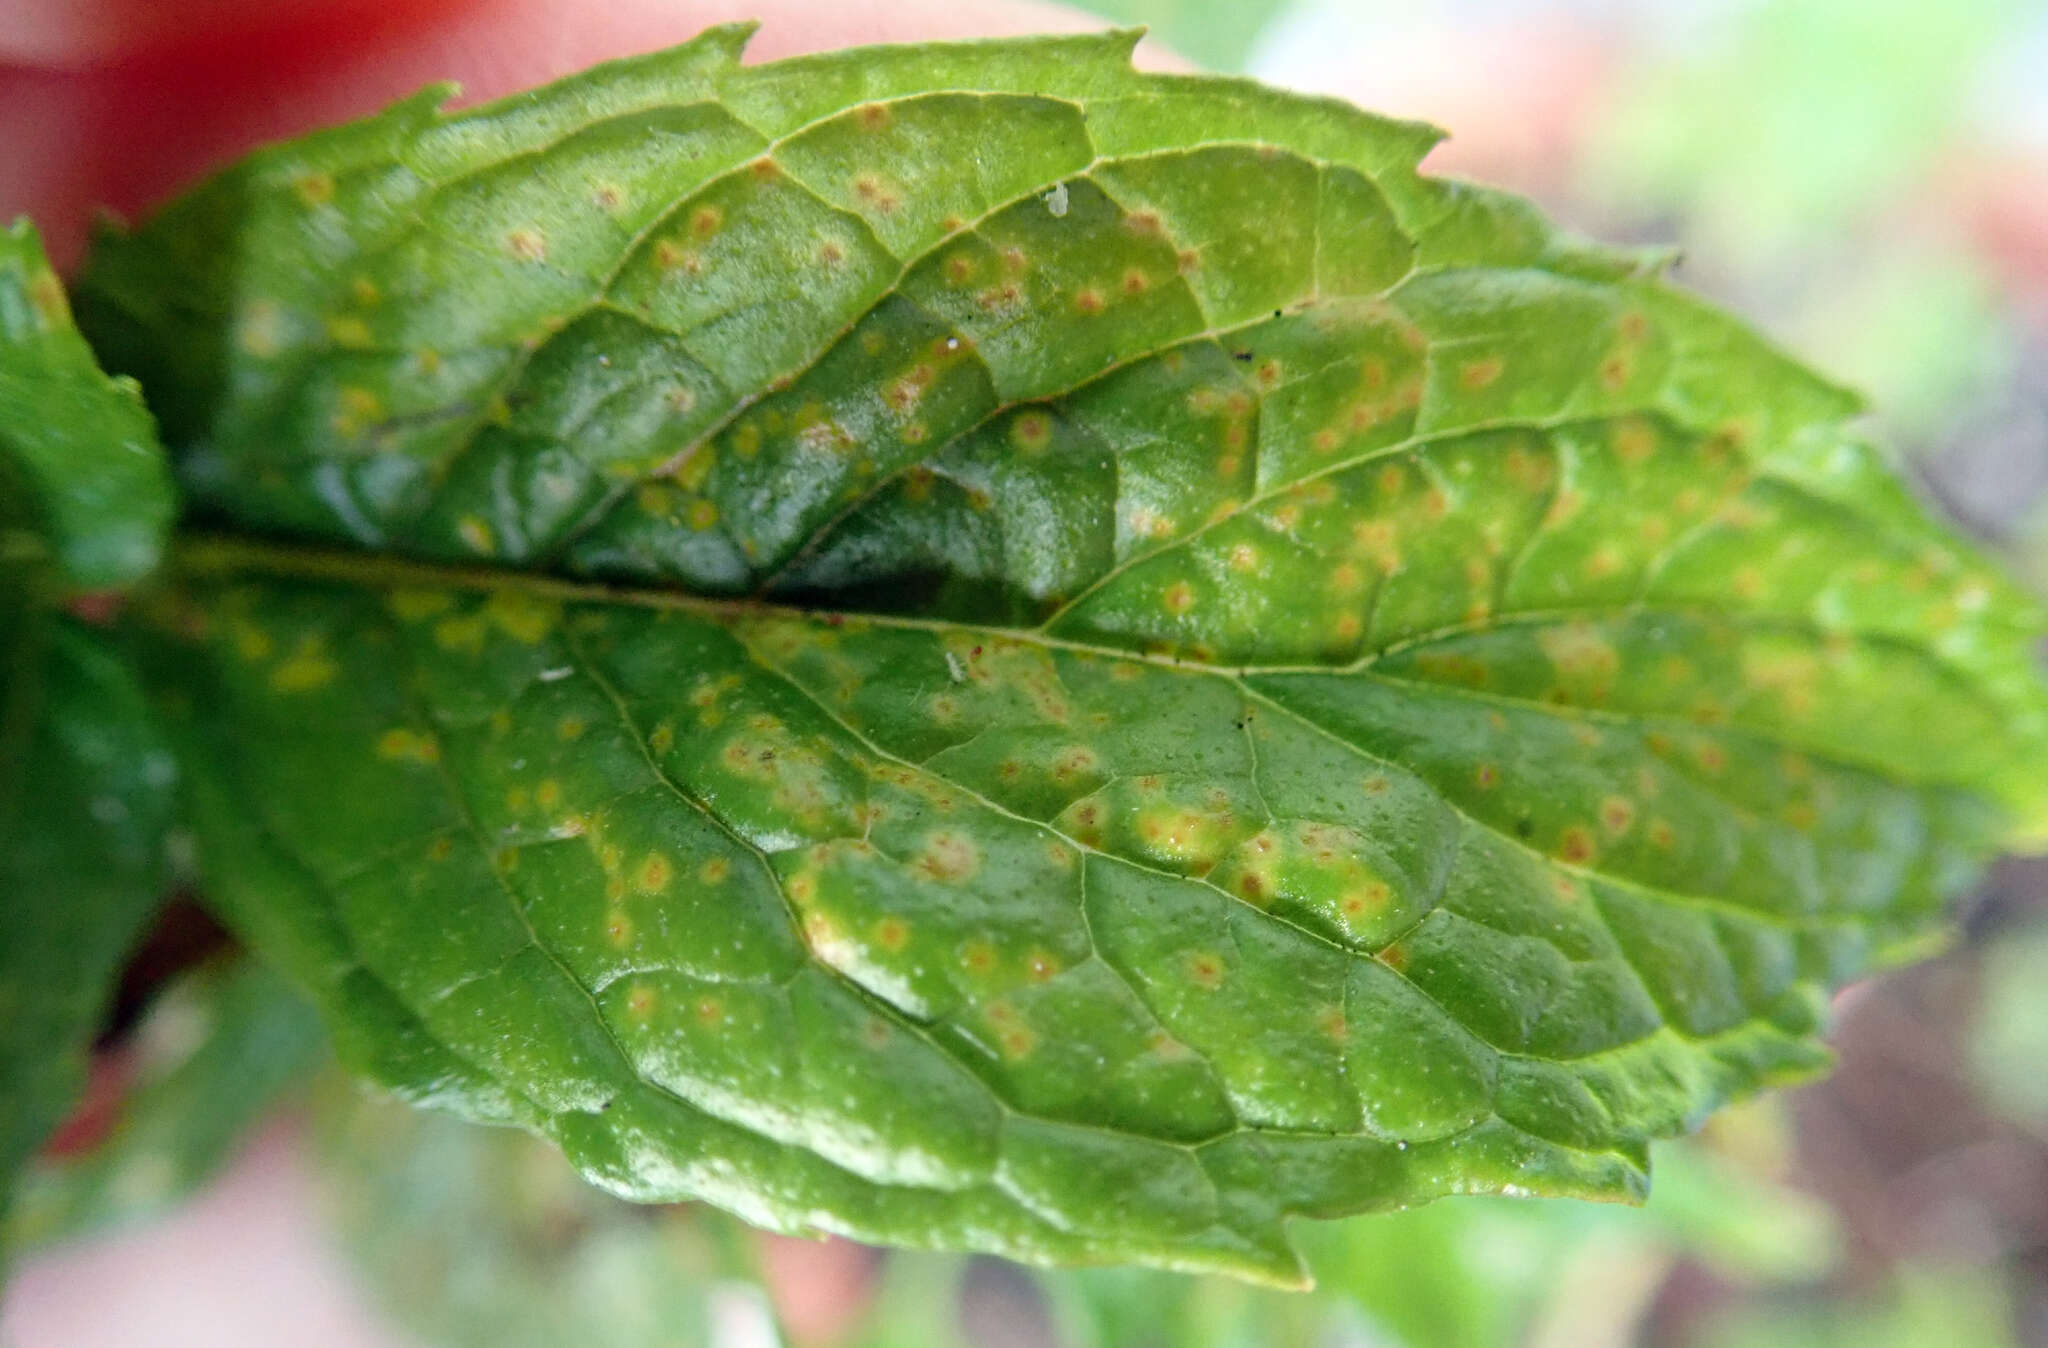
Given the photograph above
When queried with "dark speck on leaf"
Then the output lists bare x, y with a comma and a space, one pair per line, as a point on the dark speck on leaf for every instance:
1523, 828
1241, 355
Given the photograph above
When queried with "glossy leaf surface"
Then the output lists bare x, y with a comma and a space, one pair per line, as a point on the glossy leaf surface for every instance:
1334, 695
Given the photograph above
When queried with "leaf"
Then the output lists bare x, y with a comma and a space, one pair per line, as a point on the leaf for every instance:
85, 800
1250, 684
78, 454
85, 781
213, 1058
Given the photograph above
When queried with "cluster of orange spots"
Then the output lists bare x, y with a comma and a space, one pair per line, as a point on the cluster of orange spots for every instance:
1164, 1046
1475, 375
1031, 431
608, 196
1709, 755
1330, 1020
873, 116
618, 928
1617, 814
1575, 846
948, 858
401, 744
655, 872
314, 189
978, 957
1661, 835
1370, 897
1394, 956
670, 255
1041, 967
1178, 597
641, 1001
528, 245
441, 848
1144, 224
1634, 440
1206, 969
1016, 1038
1088, 300
1486, 776
891, 933
1376, 541
1136, 282
877, 194
570, 727
1075, 761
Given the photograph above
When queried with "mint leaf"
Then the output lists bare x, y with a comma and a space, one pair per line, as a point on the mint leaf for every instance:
1078, 699
78, 454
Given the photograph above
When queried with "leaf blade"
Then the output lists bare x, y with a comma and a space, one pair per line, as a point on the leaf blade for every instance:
1358, 697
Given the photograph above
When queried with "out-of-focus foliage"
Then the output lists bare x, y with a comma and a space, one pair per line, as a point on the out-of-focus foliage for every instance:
483, 1236
217, 1051
1215, 34
1778, 122
1786, 145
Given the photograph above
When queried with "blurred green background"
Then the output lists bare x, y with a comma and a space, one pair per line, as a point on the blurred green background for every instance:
1868, 179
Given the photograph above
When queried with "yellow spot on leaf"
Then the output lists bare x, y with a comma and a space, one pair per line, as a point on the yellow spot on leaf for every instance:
401, 744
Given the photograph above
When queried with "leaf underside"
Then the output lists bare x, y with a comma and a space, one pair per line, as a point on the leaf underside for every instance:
1001, 653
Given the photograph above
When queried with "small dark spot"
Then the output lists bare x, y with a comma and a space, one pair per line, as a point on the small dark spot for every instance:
1524, 828
1241, 355
1277, 313
603, 1107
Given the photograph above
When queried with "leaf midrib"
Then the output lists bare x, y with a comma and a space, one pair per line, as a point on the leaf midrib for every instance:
216, 554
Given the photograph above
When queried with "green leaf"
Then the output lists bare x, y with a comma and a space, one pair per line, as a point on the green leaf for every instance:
1250, 683
214, 1056
78, 454
85, 801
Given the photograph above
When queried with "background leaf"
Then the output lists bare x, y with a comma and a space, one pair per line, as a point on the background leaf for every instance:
85, 802
216, 1053
78, 454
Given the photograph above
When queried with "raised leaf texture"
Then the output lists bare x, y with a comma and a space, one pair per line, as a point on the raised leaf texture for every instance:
82, 477
1337, 697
